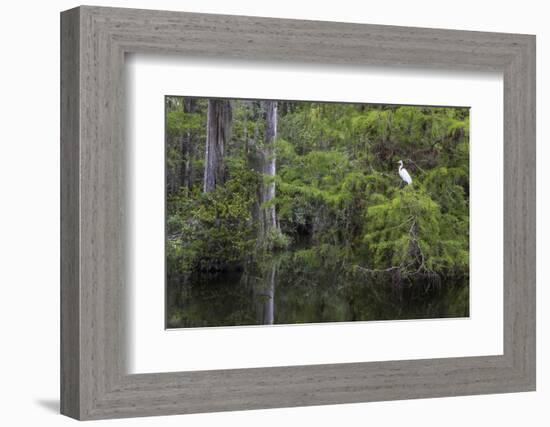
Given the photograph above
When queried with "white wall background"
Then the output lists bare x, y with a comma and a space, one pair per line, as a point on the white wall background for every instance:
29, 212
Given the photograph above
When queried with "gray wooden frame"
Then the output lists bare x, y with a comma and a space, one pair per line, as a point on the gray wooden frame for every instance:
94, 382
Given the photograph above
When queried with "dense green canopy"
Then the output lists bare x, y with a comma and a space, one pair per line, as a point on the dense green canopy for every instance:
338, 195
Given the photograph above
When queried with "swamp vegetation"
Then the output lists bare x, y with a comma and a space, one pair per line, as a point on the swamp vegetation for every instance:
294, 212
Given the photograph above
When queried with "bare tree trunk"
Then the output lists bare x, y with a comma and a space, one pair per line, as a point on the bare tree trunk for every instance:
217, 134
187, 146
269, 215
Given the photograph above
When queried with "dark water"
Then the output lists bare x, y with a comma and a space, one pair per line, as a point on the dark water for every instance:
280, 293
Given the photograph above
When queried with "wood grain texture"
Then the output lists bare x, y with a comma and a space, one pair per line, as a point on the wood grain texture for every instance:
94, 382
70, 314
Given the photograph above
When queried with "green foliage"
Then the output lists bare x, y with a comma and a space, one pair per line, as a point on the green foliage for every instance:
275, 239
339, 198
179, 123
212, 231
409, 230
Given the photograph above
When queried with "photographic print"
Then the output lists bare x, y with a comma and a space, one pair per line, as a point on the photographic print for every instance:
293, 212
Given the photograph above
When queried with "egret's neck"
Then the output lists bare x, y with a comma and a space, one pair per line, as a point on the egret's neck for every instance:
400, 166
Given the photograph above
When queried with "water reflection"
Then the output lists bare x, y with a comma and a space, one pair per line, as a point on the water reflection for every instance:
280, 292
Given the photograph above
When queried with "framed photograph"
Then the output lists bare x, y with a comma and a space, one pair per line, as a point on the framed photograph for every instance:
261, 213
301, 213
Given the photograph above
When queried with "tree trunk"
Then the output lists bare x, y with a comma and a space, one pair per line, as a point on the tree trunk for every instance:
269, 215
187, 146
217, 134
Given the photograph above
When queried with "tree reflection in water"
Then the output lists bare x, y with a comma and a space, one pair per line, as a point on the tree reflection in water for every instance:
279, 291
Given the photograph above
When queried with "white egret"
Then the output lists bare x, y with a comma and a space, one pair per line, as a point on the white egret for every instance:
404, 174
